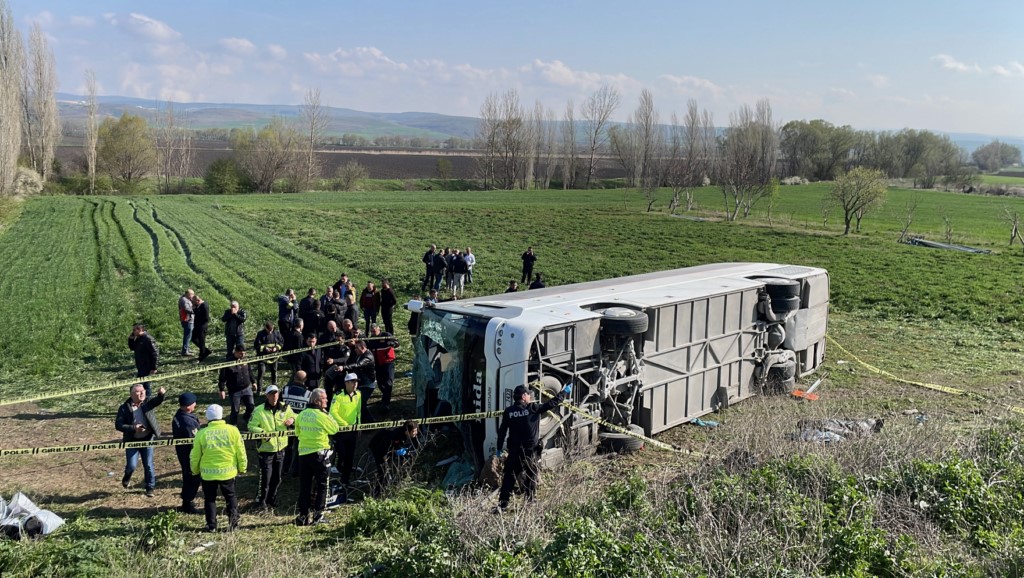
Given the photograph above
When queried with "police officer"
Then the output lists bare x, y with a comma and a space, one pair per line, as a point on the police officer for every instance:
346, 409
218, 456
296, 396
521, 422
267, 341
314, 428
274, 416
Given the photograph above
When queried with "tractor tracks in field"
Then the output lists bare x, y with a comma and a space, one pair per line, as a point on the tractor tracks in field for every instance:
124, 239
290, 251
187, 252
92, 293
156, 246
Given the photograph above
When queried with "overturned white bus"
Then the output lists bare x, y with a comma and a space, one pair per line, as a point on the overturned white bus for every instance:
649, 351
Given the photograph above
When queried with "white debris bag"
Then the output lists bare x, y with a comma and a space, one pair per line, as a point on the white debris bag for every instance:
21, 517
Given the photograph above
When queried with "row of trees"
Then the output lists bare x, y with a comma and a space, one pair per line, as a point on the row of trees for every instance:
29, 124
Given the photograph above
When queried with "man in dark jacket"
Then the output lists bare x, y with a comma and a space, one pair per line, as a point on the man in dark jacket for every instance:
307, 302
369, 302
147, 355
234, 327
538, 282
428, 262
361, 363
236, 381
137, 421
459, 271
529, 258
184, 425
313, 320
201, 312
440, 267
382, 344
521, 422
312, 362
268, 340
294, 339
388, 302
287, 310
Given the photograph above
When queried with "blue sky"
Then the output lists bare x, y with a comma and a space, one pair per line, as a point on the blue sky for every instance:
950, 66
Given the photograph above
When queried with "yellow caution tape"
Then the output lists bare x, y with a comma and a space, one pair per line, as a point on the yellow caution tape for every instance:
931, 386
174, 374
164, 442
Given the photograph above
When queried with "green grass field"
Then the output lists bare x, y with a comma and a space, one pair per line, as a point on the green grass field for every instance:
78, 271
1017, 181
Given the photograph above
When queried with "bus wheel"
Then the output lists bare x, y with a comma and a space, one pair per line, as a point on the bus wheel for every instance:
623, 321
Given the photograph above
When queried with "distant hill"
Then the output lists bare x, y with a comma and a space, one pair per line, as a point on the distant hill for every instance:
345, 120
232, 115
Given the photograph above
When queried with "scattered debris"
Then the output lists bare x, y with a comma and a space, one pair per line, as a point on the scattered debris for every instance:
809, 394
921, 242
446, 461
22, 518
910, 412
835, 430
201, 547
704, 423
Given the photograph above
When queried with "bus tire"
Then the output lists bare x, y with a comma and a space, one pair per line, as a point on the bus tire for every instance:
623, 321
620, 442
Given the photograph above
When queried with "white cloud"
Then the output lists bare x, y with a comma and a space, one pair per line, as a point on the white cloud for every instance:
44, 18
949, 63
144, 27
877, 80
691, 85
360, 61
838, 94
239, 46
277, 52
1012, 69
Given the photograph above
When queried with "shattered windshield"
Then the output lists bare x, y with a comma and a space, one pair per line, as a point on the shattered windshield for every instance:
448, 367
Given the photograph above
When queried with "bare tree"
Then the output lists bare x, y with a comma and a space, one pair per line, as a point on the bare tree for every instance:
550, 149
650, 140
1013, 219
857, 192
570, 147
91, 128
538, 136
746, 165
41, 125
315, 120
273, 153
11, 55
176, 149
487, 140
908, 216
513, 139
692, 150
596, 112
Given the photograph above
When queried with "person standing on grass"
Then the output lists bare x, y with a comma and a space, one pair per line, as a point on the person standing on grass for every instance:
312, 362
428, 263
440, 267
327, 298
369, 301
459, 271
314, 428
352, 310
297, 397
346, 409
293, 340
307, 302
187, 318
388, 302
218, 456
529, 258
234, 327
272, 416
147, 354
287, 311
184, 425
268, 341
341, 287
470, 262
136, 420
383, 346
313, 320
521, 423
236, 381
361, 363
201, 312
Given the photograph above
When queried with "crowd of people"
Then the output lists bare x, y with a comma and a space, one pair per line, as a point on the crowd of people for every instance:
336, 369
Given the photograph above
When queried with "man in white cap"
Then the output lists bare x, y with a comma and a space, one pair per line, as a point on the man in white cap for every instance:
273, 416
346, 409
218, 456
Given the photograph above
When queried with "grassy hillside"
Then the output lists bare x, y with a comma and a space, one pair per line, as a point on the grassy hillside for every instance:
79, 271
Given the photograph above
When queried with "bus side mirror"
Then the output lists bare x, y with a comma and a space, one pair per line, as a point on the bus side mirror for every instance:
414, 306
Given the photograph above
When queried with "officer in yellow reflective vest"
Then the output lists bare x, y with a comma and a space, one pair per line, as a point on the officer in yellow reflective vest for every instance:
218, 456
346, 409
273, 416
313, 427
